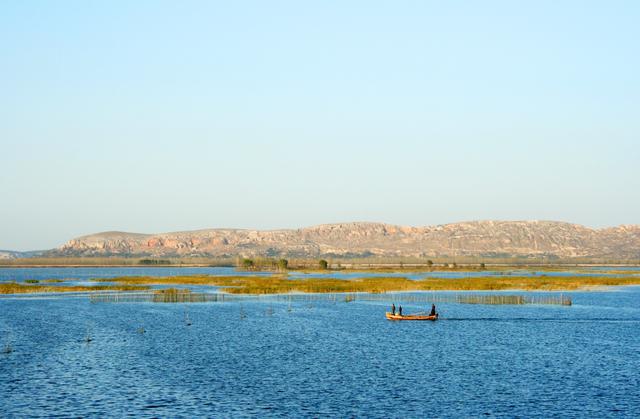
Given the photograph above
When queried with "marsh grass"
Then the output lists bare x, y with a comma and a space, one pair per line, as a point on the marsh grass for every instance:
16, 288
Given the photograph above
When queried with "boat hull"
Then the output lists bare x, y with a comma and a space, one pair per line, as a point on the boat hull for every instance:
410, 317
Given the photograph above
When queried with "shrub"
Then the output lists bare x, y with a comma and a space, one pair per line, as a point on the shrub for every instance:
247, 263
283, 264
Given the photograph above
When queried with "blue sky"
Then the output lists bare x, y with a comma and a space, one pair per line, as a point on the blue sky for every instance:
154, 116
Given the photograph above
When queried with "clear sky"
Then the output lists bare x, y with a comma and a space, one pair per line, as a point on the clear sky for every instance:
154, 116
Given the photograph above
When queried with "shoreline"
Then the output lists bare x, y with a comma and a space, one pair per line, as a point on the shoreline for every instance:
345, 267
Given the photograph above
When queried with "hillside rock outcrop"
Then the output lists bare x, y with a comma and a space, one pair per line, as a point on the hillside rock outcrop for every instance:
478, 238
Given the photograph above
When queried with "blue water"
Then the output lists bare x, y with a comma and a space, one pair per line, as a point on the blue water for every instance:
320, 359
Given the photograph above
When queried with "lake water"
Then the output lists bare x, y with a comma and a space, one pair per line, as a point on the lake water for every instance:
269, 358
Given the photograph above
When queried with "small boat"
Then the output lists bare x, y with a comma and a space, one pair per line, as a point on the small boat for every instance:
391, 316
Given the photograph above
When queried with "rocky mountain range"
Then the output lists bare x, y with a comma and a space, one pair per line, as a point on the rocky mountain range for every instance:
359, 239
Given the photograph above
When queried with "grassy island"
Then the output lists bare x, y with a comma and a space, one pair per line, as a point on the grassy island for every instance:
15, 288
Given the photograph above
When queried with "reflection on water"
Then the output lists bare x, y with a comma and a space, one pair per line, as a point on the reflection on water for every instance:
320, 358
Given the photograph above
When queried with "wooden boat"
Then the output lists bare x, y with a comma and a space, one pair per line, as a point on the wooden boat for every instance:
391, 316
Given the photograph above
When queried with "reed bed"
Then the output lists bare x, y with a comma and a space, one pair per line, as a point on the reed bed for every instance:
185, 296
179, 296
514, 299
174, 295
429, 298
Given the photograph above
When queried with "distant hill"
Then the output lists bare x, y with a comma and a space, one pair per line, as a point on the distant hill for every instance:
13, 254
478, 238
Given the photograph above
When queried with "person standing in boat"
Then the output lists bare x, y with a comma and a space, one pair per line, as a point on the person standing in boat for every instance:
400, 311
433, 310
393, 308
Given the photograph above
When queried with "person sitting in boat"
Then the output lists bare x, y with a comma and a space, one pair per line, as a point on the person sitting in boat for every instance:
393, 308
433, 310
400, 311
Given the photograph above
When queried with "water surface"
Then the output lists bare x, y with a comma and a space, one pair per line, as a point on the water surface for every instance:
320, 358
